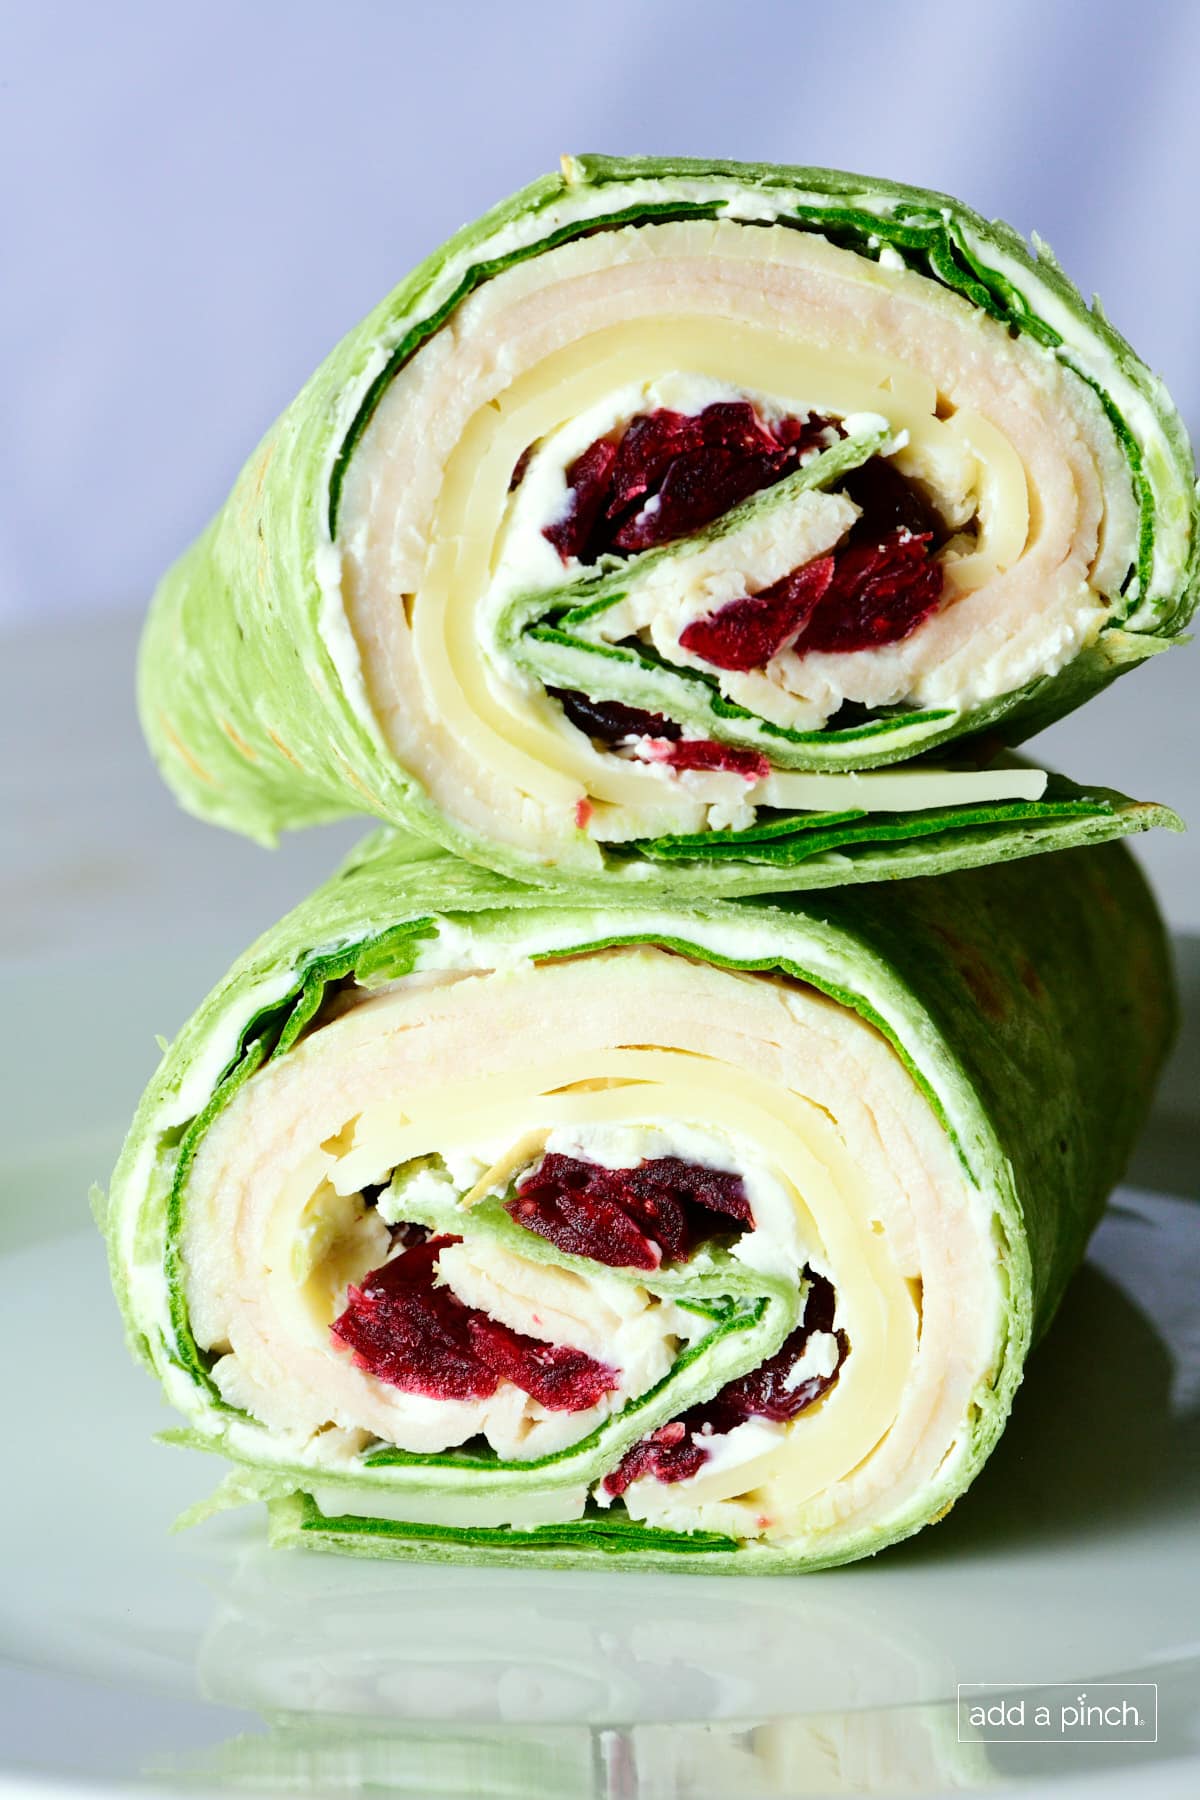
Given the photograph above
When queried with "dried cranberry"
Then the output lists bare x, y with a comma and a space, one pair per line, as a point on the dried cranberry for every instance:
677, 1450
747, 633
864, 596
578, 1214
587, 479
874, 589
879, 594
411, 1334
421, 1338
628, 1218
673, 473
702, 753
650, 443
887, 502
763, 1393
697, 489
609, 720
718, 1190
669, 1454
562, 1380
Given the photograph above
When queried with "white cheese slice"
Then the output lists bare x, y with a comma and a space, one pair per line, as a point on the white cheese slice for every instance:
897, 790
554, 1507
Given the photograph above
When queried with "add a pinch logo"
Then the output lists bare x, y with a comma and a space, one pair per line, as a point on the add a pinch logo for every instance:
1102, 1712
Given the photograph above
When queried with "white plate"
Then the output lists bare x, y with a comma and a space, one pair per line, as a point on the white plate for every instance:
134, 1660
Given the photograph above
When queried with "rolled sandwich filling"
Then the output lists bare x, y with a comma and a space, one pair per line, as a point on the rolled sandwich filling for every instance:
677, 1233
665, 508
675, 495
558, 1259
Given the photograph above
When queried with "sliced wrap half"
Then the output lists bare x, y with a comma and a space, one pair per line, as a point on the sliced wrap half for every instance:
663, 505
469, 1224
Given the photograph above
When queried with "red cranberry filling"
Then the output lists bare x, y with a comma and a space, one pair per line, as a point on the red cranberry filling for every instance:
875, 589
671, 473
747, 633
669, 1454
879, 594
677, 1450
703, 753
422, 1339
629, 1218
888, 503
609, 720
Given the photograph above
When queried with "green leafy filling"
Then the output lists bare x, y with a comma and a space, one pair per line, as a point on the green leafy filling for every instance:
611, 1532
606, 683
792, 838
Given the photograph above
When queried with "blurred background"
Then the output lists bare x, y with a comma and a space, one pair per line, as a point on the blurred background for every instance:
202, 197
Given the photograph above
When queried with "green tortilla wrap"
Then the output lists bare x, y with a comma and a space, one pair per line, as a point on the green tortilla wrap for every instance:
647, 521
473, 1224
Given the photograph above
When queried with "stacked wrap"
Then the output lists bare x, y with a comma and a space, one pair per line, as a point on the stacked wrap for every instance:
633, 535
678, 538
915, 1086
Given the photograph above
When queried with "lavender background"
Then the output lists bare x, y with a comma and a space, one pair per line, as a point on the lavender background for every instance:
203, 196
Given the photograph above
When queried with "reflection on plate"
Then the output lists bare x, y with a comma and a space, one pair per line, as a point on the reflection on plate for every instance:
903, 1752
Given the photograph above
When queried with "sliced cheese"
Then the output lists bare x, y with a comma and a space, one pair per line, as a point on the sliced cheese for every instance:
1003, 502
523, 1511
897, 790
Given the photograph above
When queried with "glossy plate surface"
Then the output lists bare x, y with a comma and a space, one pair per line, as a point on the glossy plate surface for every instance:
132, 1660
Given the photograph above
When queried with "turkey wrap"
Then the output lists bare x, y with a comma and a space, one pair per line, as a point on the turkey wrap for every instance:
637, 530
469, 1223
